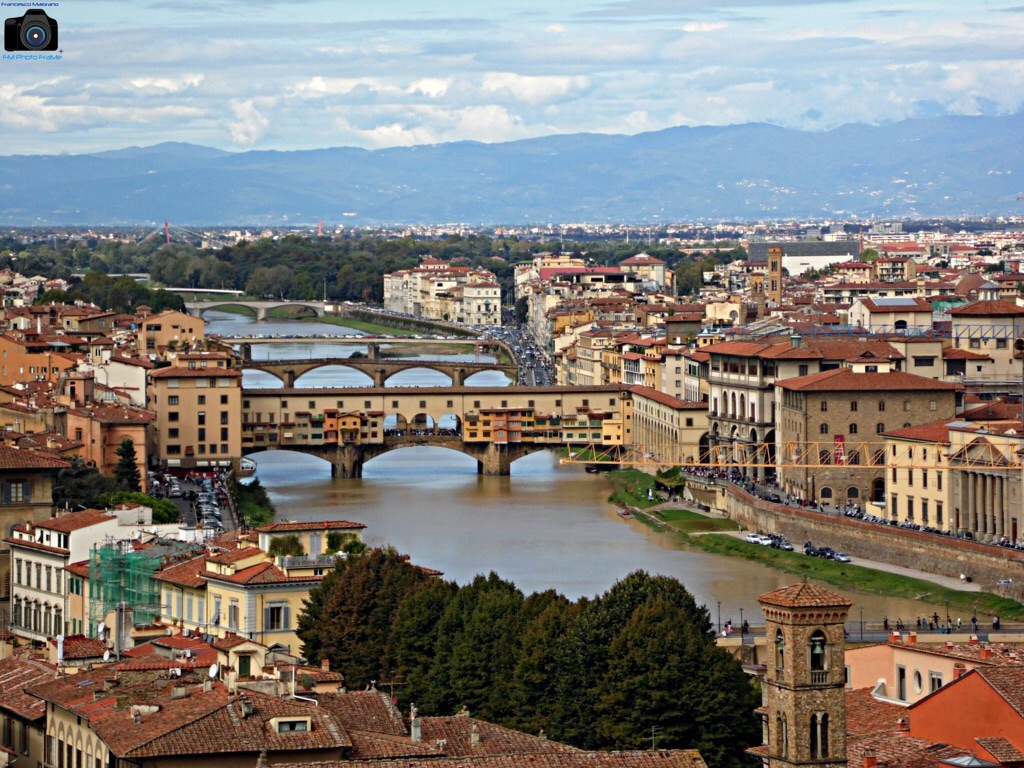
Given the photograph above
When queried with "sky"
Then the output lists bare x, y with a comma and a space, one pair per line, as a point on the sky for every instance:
286, 75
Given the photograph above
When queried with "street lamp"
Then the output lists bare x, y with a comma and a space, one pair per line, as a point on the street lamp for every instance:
719, 617
862, 623
947, 613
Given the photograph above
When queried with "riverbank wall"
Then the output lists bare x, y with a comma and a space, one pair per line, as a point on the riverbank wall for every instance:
985, 564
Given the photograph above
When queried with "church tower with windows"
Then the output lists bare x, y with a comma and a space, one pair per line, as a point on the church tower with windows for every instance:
774, 282
804, 697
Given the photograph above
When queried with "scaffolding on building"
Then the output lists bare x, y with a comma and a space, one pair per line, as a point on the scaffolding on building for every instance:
122, 577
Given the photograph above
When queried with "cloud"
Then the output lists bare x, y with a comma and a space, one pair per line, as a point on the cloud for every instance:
704, 26
555, 29
167, 84
249, 125
533, 89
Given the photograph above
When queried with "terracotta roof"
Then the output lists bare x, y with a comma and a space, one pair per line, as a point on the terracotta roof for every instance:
494, 739
16, 674
328, 525
261, 573
115, 414
934, 432
1008, 682
175, 372
33, 544
865, 714
953, 353
1001, 749
805, 595
666, 399
234, 555
676, 758
186, 574
1000, 308
74, 521
80, 568
846, 379
364, 711
15, 458
81, 647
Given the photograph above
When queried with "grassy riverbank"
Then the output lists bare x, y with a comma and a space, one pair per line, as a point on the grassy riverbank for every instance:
374, 329
631, 486
704, 532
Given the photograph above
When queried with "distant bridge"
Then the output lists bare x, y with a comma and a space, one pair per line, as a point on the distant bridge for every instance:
259, 308
378, 370
494, 425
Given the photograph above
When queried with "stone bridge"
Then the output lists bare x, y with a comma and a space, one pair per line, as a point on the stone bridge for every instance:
495, 425
259, 308
347, 459
378, 370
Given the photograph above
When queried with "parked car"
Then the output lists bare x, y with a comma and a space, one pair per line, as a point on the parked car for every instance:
753, 538
841, 557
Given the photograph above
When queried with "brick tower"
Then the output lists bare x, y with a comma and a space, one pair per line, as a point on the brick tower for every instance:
775, 274
804, 684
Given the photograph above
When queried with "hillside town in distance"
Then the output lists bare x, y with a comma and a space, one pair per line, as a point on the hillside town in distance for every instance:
860, 386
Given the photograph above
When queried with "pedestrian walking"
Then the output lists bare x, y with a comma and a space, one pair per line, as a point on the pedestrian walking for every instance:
885, 623
959, 624
974, 624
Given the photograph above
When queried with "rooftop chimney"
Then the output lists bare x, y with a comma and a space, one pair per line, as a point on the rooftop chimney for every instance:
870, 759
912, 637
474, 735
973, 640
959, 670
795, 341
247, 707
985, 653
415, 729
902, 724
325, 665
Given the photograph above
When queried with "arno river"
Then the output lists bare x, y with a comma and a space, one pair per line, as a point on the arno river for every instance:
546, 526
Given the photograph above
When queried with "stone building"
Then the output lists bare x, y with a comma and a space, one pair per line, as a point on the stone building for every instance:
803, 687
831, 426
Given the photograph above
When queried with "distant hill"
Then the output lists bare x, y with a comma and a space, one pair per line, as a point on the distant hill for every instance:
944, 166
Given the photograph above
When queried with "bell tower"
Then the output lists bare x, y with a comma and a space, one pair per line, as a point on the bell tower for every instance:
774, 291
804, 696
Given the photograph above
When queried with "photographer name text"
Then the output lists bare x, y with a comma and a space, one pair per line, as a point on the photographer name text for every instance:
32, 57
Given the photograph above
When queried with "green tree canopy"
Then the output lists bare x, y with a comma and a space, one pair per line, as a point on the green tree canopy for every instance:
126, 471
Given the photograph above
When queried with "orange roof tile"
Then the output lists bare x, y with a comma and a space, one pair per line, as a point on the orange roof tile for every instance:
805, 595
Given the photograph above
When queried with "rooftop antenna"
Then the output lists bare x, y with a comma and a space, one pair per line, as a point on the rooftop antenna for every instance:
655, 732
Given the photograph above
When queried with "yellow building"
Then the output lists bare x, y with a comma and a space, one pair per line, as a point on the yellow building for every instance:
917, 476
169, 330
669, 429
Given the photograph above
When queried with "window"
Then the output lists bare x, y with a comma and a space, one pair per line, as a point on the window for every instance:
853, 429
975, 343
853, 405
824, 405
202, 433
906, 405
292, 726
881, 405
172, 432
938, 480
276, 617
910, 477
223, 417
924, 511
823, 429
802, 370
924, 476
172, 415
172, 400
202, 398
819, 736
879, 428
780, 651
223, 399
910, 507
938, 513
934, 681
16, 492
826, 492
201, 417
233, 614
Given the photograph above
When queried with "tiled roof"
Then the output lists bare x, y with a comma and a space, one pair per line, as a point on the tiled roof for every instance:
16, 674
1001, 749
175, 372
364, 711
75, 521
324, 525
15, 458
805, 595
493, 739
261, 573
935, 432
953, 353
1008, 682
1000, 308
81, 647
186, 574
115, 414
666, 399
846, 380
80, 568
234, 555
899, 749
676, 758
865, 714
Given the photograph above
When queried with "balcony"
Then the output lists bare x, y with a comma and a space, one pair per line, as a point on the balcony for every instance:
819, 676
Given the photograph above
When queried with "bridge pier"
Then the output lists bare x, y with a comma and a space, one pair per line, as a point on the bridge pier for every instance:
288, 377
261, 314
379, 374
373, 351
494, 461
459, 377
245, 349
347, 462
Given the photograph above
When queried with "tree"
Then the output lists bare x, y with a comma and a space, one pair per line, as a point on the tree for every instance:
80, 486
869, 254
165, 511
286, 546
348, 618
126, 471
522, 309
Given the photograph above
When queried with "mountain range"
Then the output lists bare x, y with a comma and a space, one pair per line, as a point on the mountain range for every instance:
942, 166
